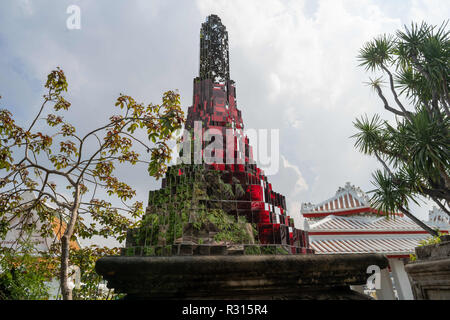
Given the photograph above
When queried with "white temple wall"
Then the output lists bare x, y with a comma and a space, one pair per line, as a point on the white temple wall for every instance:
386, 291
401, 279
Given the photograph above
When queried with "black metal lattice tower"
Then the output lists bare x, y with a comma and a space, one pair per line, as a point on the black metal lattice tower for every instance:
214, 58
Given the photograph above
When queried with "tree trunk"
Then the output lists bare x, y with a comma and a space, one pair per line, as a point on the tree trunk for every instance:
402, 209
65, 290
65, 246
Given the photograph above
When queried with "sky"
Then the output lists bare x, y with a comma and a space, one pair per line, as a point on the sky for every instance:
294, 63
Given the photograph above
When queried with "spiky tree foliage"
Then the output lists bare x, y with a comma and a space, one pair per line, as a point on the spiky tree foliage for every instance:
414, 152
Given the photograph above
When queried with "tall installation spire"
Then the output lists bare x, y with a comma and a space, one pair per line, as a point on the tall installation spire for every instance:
221, 202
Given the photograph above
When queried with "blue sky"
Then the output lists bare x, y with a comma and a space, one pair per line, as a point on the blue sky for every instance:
294, 63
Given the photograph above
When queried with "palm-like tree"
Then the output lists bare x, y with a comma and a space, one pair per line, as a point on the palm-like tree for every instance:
415, 152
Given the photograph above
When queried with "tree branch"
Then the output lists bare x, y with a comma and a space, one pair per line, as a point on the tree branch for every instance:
386, 104
419, 222
406, 113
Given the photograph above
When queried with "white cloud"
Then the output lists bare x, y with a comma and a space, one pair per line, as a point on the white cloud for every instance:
26, 7
300, 184
430, 11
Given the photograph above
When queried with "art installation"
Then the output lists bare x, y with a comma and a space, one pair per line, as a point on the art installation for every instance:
216, 229
217, 200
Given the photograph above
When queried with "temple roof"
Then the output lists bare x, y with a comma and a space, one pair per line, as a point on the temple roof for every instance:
346, 235
395, 246
349, 225
391, 236
348, 200
359, 225
41, 243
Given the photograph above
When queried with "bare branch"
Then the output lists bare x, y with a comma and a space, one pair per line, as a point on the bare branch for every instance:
386, 104
405, 113
41, 109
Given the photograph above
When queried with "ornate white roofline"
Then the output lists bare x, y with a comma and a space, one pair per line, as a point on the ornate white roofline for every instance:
353, 189
437, 217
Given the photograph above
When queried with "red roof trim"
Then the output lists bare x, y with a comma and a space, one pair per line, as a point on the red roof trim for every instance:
399, 256
346, 212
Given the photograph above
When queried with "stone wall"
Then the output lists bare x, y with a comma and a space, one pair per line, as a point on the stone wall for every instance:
430, 274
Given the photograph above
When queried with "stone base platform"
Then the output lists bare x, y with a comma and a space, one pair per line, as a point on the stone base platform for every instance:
242, 277
430, 274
